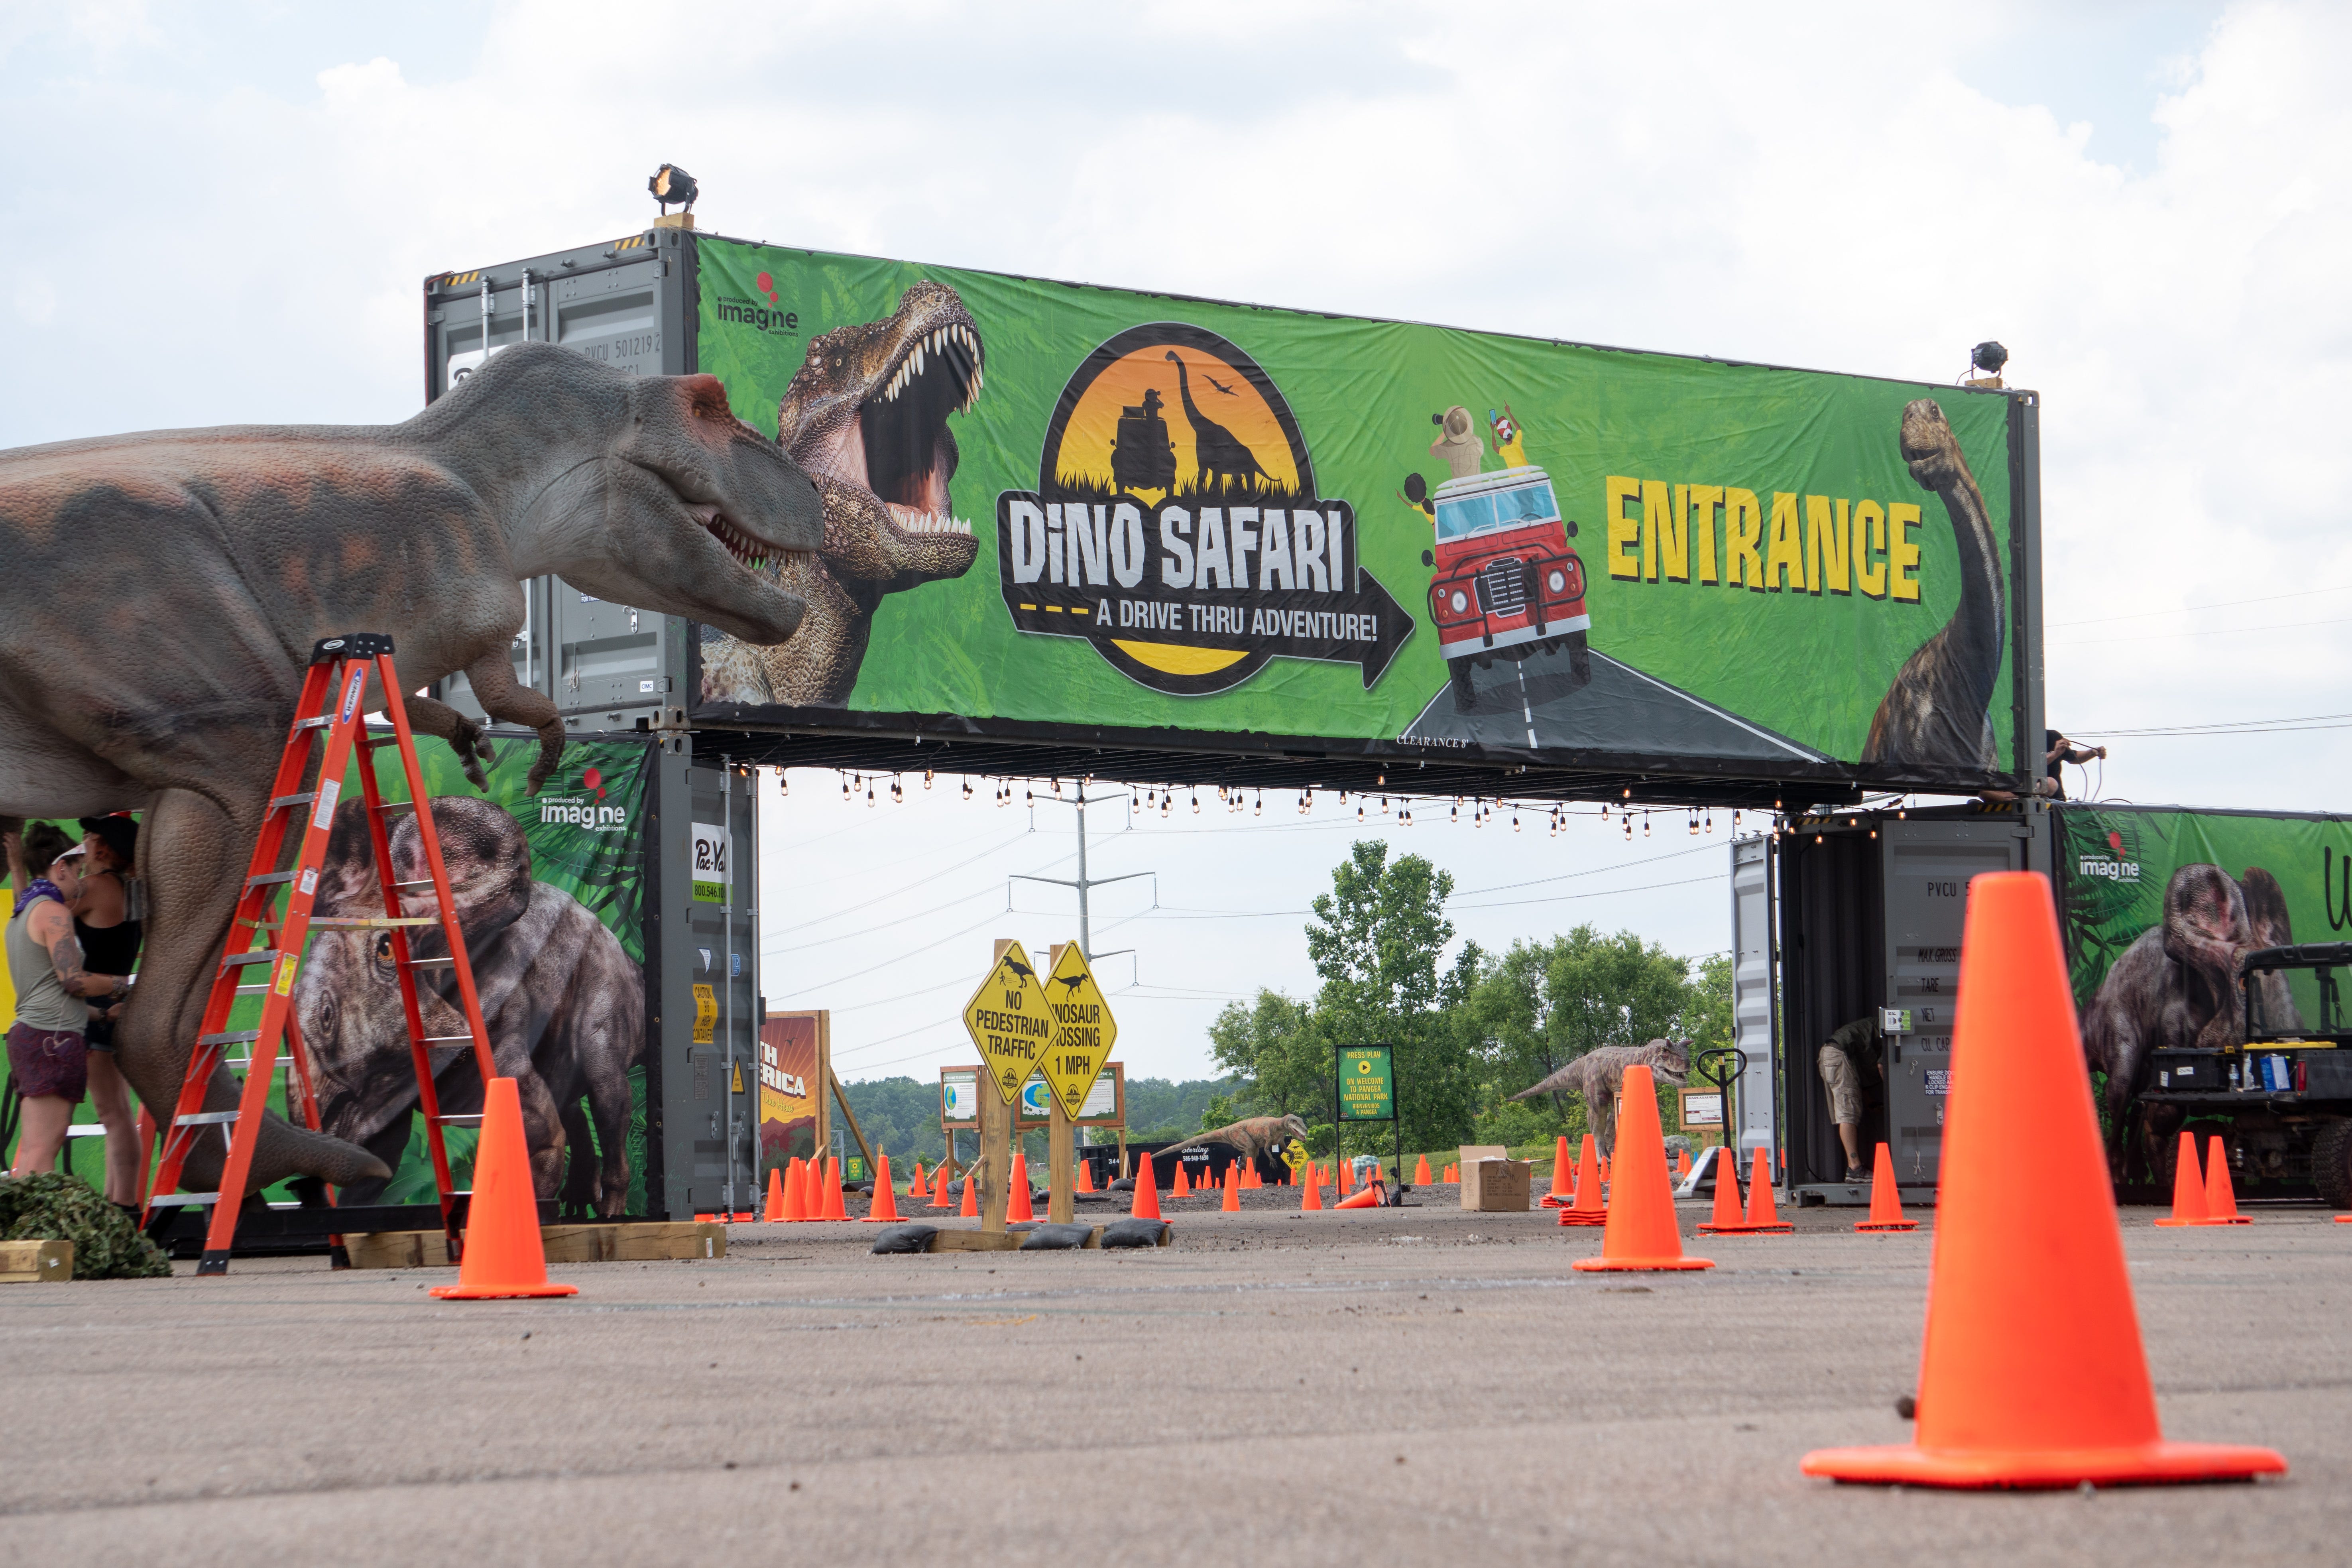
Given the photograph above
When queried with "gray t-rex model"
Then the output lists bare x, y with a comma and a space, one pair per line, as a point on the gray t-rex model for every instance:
1598, 1075
160, 594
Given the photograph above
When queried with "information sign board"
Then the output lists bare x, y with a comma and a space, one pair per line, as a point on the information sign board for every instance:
1367, 1084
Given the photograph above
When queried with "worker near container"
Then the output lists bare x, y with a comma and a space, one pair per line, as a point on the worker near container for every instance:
1853, 1053
109, 947
47, 1049
2058, 751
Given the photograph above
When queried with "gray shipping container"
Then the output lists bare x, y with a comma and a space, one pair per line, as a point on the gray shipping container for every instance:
1846, 916
630, 303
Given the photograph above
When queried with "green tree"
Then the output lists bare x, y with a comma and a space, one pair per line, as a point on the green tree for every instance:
1378, 945
1274, 1046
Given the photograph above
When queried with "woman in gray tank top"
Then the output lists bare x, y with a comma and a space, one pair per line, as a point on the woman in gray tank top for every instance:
47, 1053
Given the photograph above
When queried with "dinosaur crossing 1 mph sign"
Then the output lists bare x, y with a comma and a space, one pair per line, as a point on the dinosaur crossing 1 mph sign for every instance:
1009, 1019
1084, 1030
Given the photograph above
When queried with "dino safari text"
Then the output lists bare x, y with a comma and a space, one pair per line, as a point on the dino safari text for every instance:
1725, 536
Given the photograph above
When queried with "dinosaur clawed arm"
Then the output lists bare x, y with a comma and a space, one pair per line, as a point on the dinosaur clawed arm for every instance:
466, 738
503, 697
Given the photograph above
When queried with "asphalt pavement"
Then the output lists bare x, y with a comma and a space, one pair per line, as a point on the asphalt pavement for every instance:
1370, 1387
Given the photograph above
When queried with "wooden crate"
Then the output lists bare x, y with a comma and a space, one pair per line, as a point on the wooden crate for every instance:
36, 1262
651, 1241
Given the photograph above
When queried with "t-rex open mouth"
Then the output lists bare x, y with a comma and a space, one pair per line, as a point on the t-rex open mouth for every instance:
870, 408
750, 554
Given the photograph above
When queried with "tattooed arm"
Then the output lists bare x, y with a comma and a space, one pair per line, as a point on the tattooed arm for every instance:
52, 927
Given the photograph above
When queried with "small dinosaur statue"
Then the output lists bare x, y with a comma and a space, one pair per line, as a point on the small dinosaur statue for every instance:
1600, 1073
1937, 711
1254, 1137
866, 415
161, 594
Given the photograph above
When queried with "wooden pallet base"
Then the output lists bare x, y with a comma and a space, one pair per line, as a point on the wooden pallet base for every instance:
653, 1241
35, 1262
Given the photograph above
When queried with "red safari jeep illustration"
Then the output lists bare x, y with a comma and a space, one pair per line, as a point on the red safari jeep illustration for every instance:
1506, 584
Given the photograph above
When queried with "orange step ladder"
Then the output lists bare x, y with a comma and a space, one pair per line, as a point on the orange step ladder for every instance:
329, 723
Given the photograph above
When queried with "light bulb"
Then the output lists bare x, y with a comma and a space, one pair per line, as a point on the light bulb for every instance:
927, 778
967, 789
1515, 822
869, 797
1196, 802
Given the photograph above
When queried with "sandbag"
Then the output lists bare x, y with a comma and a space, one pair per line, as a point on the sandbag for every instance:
1056, 1237
1134, 1232
905, 1238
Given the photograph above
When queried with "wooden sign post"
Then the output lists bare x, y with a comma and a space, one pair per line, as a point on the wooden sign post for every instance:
1008, 1019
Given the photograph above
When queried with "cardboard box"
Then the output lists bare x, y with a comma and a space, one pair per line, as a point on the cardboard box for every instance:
1496, 1187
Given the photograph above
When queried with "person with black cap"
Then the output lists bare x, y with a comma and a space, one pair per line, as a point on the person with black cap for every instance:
109, 946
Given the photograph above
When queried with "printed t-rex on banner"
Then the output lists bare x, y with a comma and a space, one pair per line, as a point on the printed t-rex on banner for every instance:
226, 554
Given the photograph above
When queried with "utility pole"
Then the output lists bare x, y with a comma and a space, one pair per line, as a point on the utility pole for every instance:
1085, 883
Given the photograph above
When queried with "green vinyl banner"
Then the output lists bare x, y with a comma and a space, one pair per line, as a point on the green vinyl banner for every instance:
1052, 506
551, 897
2157, 904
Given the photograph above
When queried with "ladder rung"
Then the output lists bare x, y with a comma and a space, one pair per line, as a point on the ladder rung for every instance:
418, 882
393, 805
318, 722
260, 956
179, 1199
250, 990
268, 878
280, 1065
462, 1119
425, 962
305, 798
371, 923
445, 1039
205, 1119
237, 1039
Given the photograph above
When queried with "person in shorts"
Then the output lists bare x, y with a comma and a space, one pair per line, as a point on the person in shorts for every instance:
48, 1054
1847, 1059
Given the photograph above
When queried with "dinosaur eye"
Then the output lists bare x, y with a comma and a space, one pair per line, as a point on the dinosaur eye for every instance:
383, 947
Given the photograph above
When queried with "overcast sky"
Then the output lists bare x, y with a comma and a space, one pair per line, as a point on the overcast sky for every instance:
222, 213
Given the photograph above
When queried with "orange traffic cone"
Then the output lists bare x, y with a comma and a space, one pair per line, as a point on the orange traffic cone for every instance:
970, 1209
1347, 1175
2032, 1372
2220, 1195
503, 1256
1421, 1172
1604, 1169
2188, 1186
1563, 1182
1681, 1164
1313, 1197
1641, 1233
1232, 1202
917, 1188
1585, 1207
774, 1213
1368, 1197
1180, 1187
1086, 1176
1730, 1218
799, 1191
1017, 1206
1763, 1215
1147, 1193
1885, 1203
833, 1209
885, 1202
942, 1198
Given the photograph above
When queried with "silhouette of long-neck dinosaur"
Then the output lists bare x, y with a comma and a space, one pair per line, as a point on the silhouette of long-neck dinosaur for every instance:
1937, 710
1218, 454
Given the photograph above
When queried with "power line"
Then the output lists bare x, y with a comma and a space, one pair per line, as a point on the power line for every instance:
2228, 727
2215, 632
2185, 609
880, 898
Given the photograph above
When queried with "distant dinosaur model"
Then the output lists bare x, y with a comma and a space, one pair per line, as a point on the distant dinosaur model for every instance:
1600, 1073
1220, 456
1252, 1138
866, 415
1937, 711
224, 556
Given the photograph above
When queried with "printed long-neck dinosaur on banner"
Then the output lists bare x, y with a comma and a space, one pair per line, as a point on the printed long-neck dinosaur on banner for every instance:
163, 592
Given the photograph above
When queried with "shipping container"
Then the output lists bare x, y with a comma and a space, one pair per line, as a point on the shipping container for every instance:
2201, 945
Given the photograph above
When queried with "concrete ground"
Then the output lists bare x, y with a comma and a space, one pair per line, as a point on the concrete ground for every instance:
1378, 1386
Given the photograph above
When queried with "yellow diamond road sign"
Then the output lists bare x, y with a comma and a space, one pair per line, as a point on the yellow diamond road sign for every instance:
1008, 1019
1084, 1031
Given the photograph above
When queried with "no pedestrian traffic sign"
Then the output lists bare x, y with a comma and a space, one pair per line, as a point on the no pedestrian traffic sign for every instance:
1009, 1020
1084, 1031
